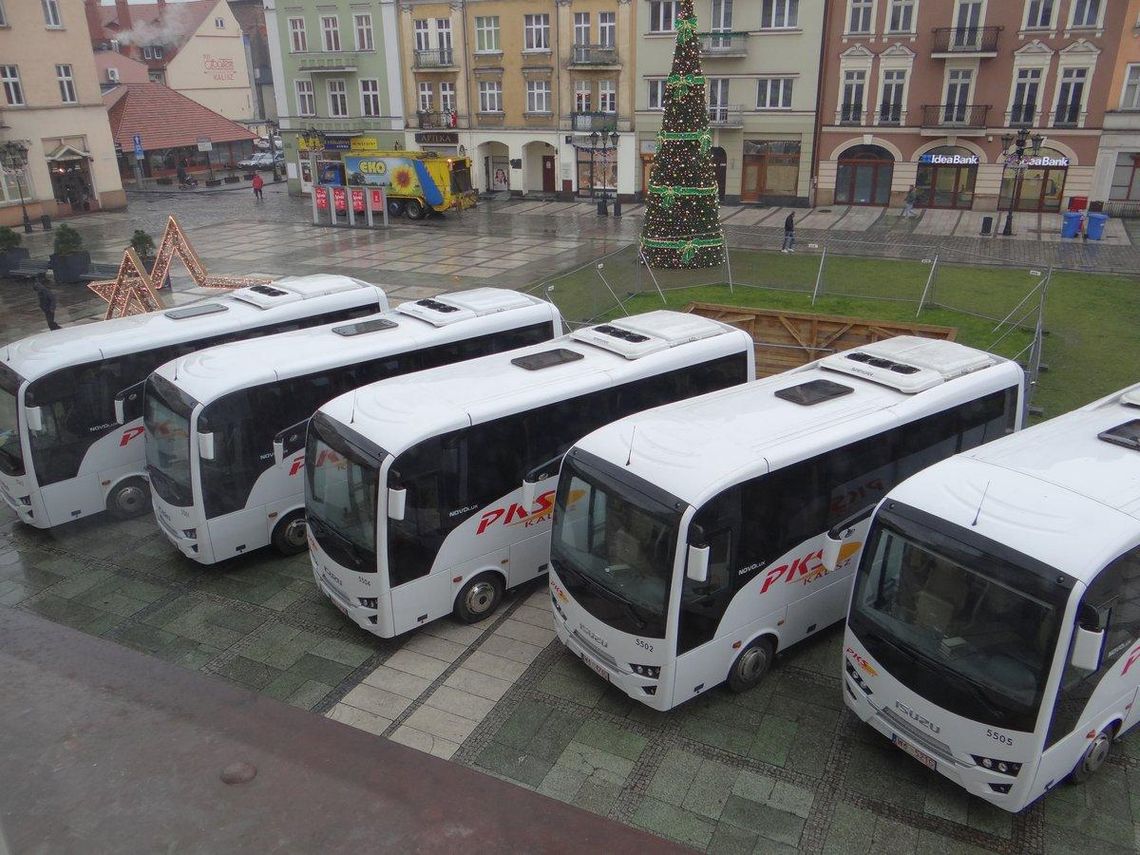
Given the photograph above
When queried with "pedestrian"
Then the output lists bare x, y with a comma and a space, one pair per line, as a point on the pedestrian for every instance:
257, 185
908, 203
47, 303
789, 234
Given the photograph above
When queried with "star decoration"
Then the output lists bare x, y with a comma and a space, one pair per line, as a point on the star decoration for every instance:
130, 292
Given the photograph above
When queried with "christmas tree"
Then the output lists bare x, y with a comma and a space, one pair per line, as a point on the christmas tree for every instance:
682, 215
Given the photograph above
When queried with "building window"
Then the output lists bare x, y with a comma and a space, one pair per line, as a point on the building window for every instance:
774, 94
362, 24
1070, 97
607, 29
13, 91
3, 15
538, 96
443, 39
298, 40
1086, 13
1125, 179
607, 96
536, 32
490, 96
854, 85
582, 96
338, 99
1039, 14
1025, 92
152, 52
306, 103
66, 84
422, 29
656, 94
779, 14
957, 107
51, 13
1130, 100
330, 27
662, 14
901, 17
220, 23
370, 98
447, 96
487, 34
718, 99
426, 95
581, 28
860, 18
891, 105
721, 20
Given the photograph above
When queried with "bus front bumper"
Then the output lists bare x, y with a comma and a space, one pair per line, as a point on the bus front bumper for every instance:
368, 611
20, 499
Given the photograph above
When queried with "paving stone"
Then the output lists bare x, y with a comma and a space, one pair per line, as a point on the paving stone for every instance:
611, 739
930, 843
482, 685
790, 798
553, 737
377, 701
416, 663
509, 648
730, 840
752, 786
359, 719
398, 682
523, 724
438, 648
346, 652
519, 631
449, 630
461, 703
435, 745
255, 675
767, 821
587, 759
440, 723
494, 666
541, 618
322, 670
671, 782
514, 765
672, 822
308, 694
562, 783
893, 838
718, 735
710, 789
598, 793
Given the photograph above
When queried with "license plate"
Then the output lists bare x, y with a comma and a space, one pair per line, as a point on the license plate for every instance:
596, 668
921, 756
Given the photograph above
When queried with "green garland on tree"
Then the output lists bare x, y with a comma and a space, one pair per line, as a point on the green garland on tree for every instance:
682, 211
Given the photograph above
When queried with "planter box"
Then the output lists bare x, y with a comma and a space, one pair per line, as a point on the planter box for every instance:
12, 259
67, 269
216, 182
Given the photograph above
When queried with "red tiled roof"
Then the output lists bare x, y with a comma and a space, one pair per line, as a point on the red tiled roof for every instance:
165, 118
170, 25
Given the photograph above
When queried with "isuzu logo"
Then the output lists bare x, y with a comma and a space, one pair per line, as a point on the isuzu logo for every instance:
918, 719
597, 639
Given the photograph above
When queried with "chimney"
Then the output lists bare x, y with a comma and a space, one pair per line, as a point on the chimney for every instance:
94, 22
161, 3
122, 15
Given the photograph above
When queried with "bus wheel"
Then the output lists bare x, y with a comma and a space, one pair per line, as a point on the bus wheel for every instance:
395, 208
128, 499
415, 209
751, 665
1094, 755
289, 537
479, 598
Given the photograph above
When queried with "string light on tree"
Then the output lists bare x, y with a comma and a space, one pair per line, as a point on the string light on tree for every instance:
682, 212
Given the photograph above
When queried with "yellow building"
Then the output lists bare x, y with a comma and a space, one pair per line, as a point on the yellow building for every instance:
53, 107
538, 92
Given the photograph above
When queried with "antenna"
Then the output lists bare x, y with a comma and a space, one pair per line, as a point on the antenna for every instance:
978, 513
632, 436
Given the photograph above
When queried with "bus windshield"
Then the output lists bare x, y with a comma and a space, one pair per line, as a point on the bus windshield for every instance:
167, 422
11, 455
613, 549
955, 622
341, 499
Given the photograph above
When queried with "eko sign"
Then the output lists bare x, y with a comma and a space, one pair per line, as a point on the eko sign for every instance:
949, 159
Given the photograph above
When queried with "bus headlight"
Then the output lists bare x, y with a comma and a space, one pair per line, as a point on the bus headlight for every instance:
25, 500
854, 675
1005, 767
651, 671
368, 602
557, 607
191, 533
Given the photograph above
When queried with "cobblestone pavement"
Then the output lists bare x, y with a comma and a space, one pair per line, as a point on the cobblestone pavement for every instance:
779, 769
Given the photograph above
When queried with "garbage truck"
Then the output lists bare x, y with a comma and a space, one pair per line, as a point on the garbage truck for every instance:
415, 182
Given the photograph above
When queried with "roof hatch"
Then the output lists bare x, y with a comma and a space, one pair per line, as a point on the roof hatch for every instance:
813, 392
641, 335
546, 359
1127, 434
365, 326
196, 311
908, 363
1131, 398
463, 305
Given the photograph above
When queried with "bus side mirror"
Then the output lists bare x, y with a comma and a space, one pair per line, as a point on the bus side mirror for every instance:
34, 416
289, 441
697, 567
1087, 647
278, 450
397, 502
835, 538
129, 403
529, 489
206, 446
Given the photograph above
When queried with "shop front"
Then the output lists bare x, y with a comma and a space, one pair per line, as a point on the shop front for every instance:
771, 170
1041, 185
443, 143
863, 176
71, 185
597, 167
946, 178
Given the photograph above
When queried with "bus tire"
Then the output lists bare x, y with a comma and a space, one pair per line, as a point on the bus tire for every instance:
415, 209
128, 499
290, 535
751, 665
395, 207
479, 598
1095, 755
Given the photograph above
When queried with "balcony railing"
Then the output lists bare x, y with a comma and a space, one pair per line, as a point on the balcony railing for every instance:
954, 115
850, 113
1022, 114
966, 39
1068, 116
587, 122
890, 114
715, 45
594, 55
726, 115
328, 63
438, 58
444, 119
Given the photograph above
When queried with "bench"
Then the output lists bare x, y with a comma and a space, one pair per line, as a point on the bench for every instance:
30, 270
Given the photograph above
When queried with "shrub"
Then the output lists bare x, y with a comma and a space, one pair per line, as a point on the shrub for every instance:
9, 239
67, 240
142, 243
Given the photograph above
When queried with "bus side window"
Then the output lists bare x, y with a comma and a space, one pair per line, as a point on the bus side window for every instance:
703, 603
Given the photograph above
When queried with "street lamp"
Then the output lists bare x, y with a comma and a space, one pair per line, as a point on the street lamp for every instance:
1014, 153
14, 157
606, 140
273, 129
314, 139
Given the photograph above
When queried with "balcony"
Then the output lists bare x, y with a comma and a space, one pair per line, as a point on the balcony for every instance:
723, 45
586, 55
442, 120
891, 115
1068, 116
1022, 114
726, 116
587, 122
440, 58
958, 116
851, 113
965, 41
333, 62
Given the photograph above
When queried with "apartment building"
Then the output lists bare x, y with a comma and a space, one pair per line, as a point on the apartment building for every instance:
921, 92
538, 93
53, 108
337, 83
761, 65
1116, 180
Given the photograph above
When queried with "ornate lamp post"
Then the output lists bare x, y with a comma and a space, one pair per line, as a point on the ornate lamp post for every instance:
606, 140
14, 158
1017, 149
273, 129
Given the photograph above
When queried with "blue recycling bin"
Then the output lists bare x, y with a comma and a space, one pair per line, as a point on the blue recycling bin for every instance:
1070, 224
1097, 223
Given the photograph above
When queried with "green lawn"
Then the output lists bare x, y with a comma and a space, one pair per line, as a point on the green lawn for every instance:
1091, 347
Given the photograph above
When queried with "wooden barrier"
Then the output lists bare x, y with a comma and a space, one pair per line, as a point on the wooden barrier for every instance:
786, 340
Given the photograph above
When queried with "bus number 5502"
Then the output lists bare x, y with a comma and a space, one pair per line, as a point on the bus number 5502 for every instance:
1000, 737
643, 643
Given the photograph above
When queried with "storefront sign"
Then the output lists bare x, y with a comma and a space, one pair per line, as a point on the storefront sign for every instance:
322, 197
330, 172
1042, 161
376, 200
357, 201
340, 199
205, 144
218, 67
364, 144
949, 159
437, 138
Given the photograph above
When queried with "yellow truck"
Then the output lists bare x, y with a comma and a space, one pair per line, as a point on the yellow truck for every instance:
415, 182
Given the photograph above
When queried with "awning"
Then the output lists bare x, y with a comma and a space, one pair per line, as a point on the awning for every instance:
67, 152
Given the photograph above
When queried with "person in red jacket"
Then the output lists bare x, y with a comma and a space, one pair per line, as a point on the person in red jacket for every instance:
257, 185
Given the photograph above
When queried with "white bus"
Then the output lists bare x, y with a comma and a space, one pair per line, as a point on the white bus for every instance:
427, 494
71, 400
994, 628
687, 544
225, 427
